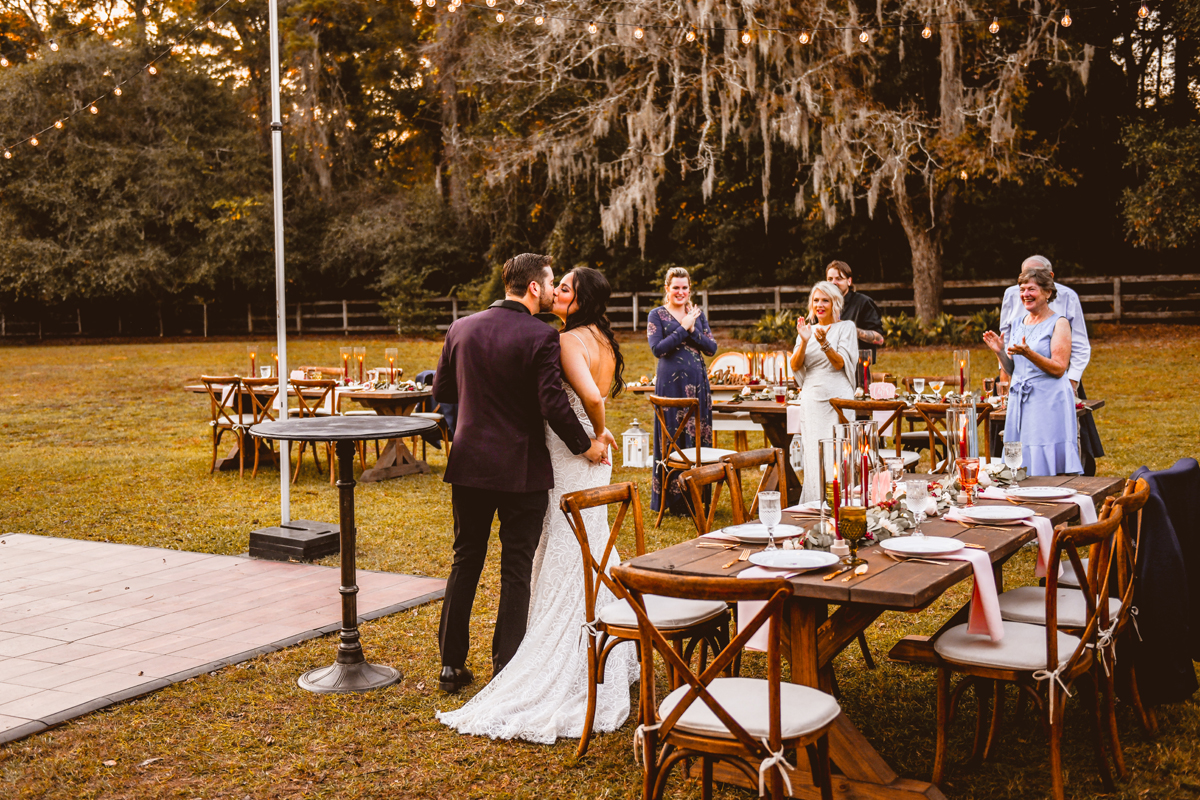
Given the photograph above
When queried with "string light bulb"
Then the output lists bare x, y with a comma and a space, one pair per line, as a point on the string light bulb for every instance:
58, 124
54, 45
117, 91
1143, 11
592, 28
639, 34
8, 154
519, 2
926, 32
491, 3
416, 3
3, 61
745, 37
499, 16
690, 36
94, 109
864, 37
962, 175
153, 70
804, 37
431, 3
994, 28
538, 20
452, 8
1066, 20
33, 142
145, 11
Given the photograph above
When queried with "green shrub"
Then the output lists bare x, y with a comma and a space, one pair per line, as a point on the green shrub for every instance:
943, 329
772, 328
903, 330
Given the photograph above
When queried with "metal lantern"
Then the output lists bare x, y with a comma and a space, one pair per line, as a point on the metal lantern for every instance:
636, 444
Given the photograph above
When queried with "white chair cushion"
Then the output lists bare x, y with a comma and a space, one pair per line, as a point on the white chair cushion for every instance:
1028, 604
664, 612
245, 420
708, 455
320, 412
359, 413
1023, 647
738, 421
1068, 578
802, 709
428, 415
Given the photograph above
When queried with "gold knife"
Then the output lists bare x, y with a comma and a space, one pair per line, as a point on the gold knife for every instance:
835, 573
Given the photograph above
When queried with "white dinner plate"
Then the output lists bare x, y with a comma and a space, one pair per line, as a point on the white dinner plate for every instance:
921, 545
1003, 515
1040, 492
756, 532
793, 560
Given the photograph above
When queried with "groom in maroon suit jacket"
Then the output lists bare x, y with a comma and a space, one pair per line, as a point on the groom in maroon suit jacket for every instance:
502, 366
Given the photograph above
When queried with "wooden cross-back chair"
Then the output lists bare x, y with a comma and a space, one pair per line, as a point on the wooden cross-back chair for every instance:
772, 477
748, 723
226, 407
1031, 655
934, 416
261, 393
675, 458
610, 620
320, 405
714, 476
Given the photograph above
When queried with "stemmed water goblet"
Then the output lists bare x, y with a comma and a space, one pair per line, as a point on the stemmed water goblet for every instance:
918, 385
918, 494
1013, 456
769, 513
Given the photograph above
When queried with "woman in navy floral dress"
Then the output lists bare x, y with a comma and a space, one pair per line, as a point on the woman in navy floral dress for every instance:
680, 338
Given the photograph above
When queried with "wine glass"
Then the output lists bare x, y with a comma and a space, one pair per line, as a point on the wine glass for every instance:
769, 513
895, 465
989, 385
936, 386
918, 385
1013, 456
918, 493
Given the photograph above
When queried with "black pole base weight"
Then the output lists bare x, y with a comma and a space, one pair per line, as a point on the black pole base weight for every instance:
343, 678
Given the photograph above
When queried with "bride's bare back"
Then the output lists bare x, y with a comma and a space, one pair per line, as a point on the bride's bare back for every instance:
588, 365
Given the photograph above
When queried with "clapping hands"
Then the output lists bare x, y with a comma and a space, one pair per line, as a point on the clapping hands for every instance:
803, 329
689, 319
994, 341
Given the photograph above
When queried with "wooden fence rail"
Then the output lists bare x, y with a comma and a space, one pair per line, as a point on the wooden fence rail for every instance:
1128, 298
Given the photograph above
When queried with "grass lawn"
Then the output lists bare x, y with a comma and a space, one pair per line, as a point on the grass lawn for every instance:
100, 442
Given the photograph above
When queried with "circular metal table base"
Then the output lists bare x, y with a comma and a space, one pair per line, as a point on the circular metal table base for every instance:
341, 678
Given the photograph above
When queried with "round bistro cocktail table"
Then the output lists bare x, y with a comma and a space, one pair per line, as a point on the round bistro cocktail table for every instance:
350, 672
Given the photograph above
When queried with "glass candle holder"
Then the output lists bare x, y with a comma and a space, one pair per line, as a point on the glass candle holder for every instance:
360, 355
390, 354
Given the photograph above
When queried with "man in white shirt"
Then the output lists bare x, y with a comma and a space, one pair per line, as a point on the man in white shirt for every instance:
1066, 303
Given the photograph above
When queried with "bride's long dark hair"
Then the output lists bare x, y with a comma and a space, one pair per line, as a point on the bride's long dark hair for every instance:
591, 298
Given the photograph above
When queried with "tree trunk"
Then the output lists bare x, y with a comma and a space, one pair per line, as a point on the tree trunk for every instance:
925, 241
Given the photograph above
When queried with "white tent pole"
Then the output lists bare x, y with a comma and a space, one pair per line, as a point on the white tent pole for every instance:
285, 498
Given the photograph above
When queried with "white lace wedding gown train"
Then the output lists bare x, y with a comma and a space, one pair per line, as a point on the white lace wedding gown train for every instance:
542, 693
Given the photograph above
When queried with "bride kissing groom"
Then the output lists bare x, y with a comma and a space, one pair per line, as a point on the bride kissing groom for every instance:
525, 437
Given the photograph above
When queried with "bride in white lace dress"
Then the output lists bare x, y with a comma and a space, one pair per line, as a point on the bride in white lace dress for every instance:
541, 694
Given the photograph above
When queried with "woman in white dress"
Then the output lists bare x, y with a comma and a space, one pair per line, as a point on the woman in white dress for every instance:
823, 362
541, 694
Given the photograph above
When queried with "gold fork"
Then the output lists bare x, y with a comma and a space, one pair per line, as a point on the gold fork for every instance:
970, 526
745, 555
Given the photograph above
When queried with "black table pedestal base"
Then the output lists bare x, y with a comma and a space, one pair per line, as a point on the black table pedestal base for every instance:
338, 678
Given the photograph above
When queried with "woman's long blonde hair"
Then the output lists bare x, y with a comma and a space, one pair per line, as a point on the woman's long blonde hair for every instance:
835, 297
672, 274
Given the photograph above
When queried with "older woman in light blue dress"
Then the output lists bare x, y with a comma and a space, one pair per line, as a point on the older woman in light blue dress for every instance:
1041, 403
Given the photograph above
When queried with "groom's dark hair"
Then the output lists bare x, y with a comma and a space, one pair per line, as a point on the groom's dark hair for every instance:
520, 271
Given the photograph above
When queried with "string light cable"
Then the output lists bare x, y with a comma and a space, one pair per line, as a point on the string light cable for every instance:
804, 33
92, 108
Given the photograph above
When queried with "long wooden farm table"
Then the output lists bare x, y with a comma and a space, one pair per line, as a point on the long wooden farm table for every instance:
824, 616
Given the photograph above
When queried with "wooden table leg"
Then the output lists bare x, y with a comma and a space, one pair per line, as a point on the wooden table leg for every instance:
396, 459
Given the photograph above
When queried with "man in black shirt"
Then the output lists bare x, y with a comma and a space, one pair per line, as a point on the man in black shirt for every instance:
857, 308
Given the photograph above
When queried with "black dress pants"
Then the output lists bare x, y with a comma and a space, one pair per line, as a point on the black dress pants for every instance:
521, 516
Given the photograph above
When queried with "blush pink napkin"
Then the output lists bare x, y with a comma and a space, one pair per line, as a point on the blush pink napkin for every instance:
746, 609
794, 413
1087, 508
984, 615
1045, 537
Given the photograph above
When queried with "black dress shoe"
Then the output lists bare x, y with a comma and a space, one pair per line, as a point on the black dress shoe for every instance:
452, 679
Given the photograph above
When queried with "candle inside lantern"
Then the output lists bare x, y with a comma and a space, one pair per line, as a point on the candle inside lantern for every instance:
962, 438
836, 506
962, 377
